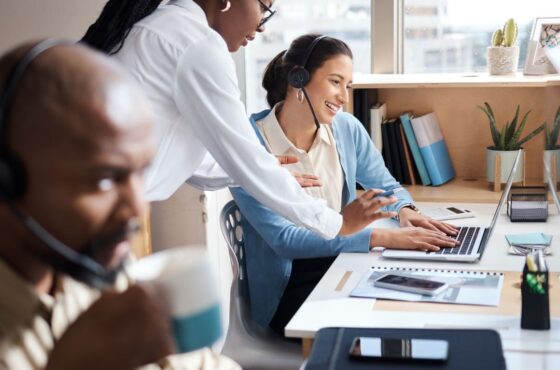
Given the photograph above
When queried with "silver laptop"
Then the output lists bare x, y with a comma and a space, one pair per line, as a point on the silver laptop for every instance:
473, 238
551, 185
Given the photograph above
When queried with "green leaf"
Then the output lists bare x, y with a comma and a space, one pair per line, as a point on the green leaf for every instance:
502, 143
492, 121
511, 130
531, 135
517, 134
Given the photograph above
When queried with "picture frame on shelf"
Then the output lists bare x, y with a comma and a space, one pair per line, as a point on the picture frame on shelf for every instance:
545, 34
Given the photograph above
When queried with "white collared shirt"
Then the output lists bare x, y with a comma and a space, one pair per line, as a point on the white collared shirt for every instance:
186, 71
321, 159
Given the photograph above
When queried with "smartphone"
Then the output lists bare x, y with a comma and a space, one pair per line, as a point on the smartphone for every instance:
447, 213
410, 284
405, 349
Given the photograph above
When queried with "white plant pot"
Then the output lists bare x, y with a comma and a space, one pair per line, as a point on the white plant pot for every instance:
502, 60
548, 154
507, 160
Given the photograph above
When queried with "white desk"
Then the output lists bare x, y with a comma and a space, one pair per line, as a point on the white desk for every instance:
330, 305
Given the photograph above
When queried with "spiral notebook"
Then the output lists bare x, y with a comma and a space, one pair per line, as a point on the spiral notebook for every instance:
465, 287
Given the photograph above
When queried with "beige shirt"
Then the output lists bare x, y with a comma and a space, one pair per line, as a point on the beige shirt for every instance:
318, 161
31, 323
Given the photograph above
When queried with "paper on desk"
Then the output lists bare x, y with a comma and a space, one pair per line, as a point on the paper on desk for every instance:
465, 287
529, 239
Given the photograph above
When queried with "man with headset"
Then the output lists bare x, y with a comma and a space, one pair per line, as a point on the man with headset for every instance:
75, 137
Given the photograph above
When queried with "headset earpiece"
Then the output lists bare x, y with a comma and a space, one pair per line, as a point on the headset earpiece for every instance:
299, 76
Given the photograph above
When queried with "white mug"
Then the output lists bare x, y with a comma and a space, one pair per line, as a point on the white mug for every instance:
183, 278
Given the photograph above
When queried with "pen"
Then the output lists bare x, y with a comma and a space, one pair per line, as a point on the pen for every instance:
388, 193
531, 263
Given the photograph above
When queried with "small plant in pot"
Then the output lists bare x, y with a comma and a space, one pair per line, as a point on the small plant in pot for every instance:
552, 148
503, 54
507, 141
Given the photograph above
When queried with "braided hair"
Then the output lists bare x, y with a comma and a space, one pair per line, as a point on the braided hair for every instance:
108, 32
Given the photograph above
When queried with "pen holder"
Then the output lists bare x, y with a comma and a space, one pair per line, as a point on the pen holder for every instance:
535, 310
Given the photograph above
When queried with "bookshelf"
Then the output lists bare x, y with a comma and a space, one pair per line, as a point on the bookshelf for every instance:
454, 98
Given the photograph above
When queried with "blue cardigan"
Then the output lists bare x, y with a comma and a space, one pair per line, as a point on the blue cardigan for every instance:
272, 242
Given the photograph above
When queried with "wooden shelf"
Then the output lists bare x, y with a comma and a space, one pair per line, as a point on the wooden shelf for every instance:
375, 81
461, 190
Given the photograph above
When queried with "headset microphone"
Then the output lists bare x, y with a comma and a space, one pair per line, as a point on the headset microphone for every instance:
13, 184
299, 76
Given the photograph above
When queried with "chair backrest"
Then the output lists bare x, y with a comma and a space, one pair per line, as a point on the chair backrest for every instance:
230, 224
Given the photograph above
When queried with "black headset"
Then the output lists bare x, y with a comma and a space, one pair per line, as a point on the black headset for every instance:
13, 182
299, 76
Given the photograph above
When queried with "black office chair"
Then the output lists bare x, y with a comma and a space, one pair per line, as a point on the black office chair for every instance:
252, 346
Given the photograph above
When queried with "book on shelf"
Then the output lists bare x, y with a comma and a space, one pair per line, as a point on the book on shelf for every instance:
377, 114
361, 108
405, 175
385, 152
433, 148
410, 168
415, 150
394, 146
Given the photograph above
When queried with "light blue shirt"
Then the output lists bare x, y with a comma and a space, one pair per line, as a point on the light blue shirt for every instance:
272, 242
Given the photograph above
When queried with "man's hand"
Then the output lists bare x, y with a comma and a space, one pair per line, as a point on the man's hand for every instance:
413, 238
409, 217
119, 331
364, 210
304, 180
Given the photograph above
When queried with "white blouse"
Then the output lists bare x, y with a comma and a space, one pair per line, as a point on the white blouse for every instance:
189, 77
321, 160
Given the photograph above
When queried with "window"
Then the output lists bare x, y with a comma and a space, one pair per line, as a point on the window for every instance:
452, 35
348, 20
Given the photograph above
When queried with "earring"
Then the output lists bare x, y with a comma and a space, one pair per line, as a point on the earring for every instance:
228, 5
300, 96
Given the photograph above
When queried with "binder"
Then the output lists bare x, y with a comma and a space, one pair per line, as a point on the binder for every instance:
406, 176
410, 168
394, 145
420, 166
385, 152
433, 149
377, 114
468, 349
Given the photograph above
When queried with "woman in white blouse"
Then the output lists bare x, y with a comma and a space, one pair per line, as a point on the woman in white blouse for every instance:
179, 53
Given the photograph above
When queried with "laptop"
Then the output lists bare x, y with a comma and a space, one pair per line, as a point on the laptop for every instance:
473, 238
551, 185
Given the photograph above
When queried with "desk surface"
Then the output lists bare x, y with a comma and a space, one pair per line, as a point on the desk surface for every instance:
330, 305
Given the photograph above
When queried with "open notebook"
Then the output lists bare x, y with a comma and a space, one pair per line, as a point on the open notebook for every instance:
465, 287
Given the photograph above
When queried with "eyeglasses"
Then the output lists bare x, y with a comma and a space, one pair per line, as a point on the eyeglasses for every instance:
268, 13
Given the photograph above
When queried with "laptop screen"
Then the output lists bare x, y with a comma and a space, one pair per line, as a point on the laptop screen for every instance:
551, 184
505, 193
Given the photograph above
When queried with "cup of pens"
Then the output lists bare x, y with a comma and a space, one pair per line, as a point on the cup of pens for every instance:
535, 310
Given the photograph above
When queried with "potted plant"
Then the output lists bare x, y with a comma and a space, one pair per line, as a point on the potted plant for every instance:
552, 148
507, 141
503, 54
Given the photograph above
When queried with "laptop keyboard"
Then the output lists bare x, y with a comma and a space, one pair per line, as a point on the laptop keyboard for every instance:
467, 236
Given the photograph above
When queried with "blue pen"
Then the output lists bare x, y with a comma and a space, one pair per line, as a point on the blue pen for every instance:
388, 193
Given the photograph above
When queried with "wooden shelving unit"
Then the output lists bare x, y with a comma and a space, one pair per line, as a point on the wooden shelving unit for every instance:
454, 98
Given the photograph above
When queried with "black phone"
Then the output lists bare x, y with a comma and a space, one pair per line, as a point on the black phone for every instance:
405, 349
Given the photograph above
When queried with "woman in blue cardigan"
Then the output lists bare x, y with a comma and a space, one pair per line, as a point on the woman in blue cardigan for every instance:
285, 261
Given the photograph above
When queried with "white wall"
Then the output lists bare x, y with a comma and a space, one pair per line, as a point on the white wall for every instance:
23, 20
